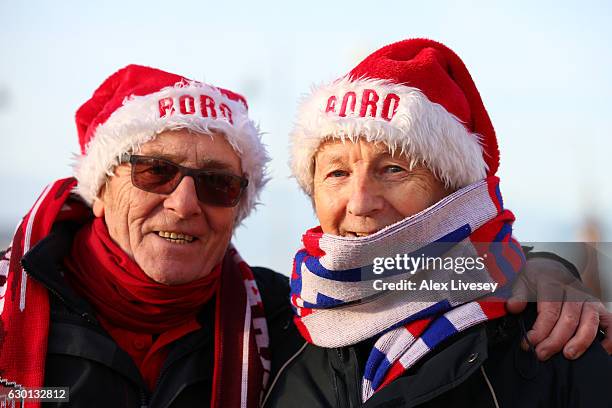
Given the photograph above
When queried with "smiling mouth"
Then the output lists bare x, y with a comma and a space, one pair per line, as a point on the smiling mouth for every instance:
353, 234
176, 237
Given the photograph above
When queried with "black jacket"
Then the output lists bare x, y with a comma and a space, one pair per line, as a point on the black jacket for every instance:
83, 357
481, 367
471, 369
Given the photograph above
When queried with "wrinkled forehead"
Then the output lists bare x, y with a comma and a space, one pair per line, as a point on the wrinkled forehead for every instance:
187, 147
335, 149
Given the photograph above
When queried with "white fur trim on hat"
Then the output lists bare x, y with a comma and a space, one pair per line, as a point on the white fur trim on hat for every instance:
139, 120
400, 116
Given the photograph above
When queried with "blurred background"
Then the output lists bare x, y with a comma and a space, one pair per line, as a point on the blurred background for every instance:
543, 70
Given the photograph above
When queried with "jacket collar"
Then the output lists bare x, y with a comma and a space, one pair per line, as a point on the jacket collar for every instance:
44, 263
442, 371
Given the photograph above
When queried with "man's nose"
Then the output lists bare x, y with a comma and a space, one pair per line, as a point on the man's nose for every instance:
184, 199
366, 196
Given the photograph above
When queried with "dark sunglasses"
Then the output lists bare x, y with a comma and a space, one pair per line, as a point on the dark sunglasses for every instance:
161, 176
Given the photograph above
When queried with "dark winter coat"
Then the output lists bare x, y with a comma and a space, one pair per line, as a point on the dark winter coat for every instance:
83, 357
481, 367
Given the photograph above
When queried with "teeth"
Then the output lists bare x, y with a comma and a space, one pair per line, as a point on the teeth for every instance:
175, 237
357, 234
176, 241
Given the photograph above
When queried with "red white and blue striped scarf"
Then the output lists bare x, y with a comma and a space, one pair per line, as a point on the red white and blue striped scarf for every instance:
336, 303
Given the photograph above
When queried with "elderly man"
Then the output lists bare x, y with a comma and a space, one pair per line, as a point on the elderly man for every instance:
121, 284
399, 158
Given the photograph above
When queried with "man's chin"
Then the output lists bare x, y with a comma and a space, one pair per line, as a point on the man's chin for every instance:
169, 275
171, 263
170, 269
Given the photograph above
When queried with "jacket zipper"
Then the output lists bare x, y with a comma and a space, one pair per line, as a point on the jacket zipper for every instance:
159, 376
280, 371
340, 352
166, 367
144, 403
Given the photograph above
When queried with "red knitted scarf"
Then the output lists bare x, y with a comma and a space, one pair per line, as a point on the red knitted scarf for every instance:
241, 338
122, 293
128, 303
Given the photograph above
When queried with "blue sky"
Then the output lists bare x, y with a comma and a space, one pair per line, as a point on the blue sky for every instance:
543, 70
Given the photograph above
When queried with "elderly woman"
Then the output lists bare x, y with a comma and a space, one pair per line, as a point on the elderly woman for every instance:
399, 158
121, 283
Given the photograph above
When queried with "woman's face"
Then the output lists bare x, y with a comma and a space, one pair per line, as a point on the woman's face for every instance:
360, 188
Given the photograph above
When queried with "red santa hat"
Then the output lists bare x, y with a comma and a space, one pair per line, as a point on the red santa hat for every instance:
137, 103
418, 98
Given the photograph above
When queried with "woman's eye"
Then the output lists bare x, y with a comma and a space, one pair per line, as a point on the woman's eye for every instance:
393, 169
337, 173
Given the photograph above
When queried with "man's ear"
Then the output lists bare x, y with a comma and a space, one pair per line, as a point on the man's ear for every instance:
98, 207
98, 204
